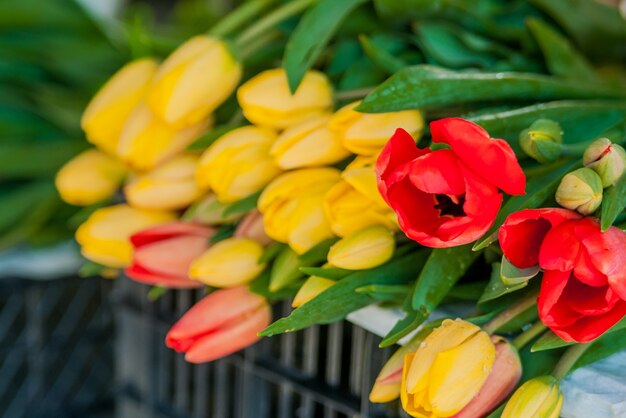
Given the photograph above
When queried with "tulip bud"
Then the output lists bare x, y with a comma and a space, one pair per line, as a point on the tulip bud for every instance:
367, 133
542, 141
538, 398
251, 226
89, 178
238, 163
210, 211
364, 249
170, 186
193, 81
580, 190
312, 287
266, 100
231, 262
105, 236
308, 144
107, 112
606, 159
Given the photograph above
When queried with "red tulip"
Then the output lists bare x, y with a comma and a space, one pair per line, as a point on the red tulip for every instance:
583, 292
448, 197
225, 321
162, 254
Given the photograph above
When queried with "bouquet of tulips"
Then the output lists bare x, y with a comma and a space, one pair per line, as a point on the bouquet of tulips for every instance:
404, 153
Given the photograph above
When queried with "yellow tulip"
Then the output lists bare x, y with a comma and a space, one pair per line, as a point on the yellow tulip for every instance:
355, 203
107, 112
170, 186
367, 133
292, 207
193, 81
538, 398
147, 141
231, 262
105, 236
238, 163
312, 287
266, 100
90, 177
363, 249
308, 144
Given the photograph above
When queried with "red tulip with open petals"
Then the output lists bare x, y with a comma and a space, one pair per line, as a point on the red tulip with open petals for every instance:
448, 197
162, 254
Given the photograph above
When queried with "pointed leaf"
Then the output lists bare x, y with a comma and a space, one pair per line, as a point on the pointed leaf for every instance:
549, 340
512, 275
326, 272
496, 288
613, 203
242, 206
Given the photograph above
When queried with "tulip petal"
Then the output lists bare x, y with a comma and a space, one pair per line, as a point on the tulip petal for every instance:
588, 300
606, 253
438, 172
141, 275
560, 247
171, 257
169, 230
588, 328
552, 311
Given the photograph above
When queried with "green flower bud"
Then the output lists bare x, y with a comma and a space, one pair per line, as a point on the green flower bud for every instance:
606, 159
580, 190
542, 140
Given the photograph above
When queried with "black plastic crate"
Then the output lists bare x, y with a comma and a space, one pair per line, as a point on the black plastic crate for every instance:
324, 371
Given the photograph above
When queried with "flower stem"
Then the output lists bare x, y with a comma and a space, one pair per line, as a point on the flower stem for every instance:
353, 94
505, 316
238, 17
568, 360
246, 50
575, 150
528, 335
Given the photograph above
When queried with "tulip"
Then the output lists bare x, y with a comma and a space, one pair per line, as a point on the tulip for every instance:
251, 226
367, 133
170, 186
292, 207
312, 287
308, 144
210, 211
105, 236
266, 100
231, 262
222, 323
355, 203
162, 254
109, 109
89, 178
542, 140
538, 398
580, 190
193, 81
606, 159
365, 249
238, 164
146, 141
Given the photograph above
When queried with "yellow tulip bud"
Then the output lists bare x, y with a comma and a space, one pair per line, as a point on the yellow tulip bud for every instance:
238, 163
292, 207
355, 203
147, 141
210, 211
193, 81
367, 133
364, 249
229, 263
267, 101
312, 287
538, 398
170, 186
105, 236
107, 112
90, 177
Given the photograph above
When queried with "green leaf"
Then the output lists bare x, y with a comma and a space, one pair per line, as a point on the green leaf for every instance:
326, 272
308, 40
318, 253
511, 275
498, 412
604, 346
91, 269
467, 291
28, 159
549, 340
385, 293
613, 203
156, 292
271, 252
261, 285
286, 269
336, 302
379, 56
412, 320
426, 86
225, 232
242, 206
496, 288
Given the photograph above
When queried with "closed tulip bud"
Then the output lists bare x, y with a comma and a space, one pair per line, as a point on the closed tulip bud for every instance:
355, 203
538, 398
193, 81
105, 236
147, 141
580, 190
606, 159
367, 133
238, 164
210, 211
542, 140
162, 254
267, 101
292, 207
222, 323
308, 144
89, 178
251, 226
231, 262
107, 112
312, 287
364, 249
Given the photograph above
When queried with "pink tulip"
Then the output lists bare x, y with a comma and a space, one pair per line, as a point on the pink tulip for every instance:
162, 254
252, 227
222, 323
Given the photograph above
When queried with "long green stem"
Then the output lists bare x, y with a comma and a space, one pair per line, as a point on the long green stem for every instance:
575, 150
569, 358
238, 17
246, 50
528, 335
505, 316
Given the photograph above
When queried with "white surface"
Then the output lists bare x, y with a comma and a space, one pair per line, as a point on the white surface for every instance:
40, 264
